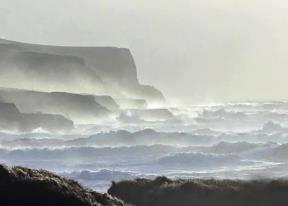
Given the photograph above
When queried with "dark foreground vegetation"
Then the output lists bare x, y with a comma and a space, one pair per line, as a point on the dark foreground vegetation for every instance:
165, 192
21, 186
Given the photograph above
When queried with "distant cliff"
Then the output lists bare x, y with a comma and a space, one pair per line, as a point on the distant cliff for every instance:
13, 120
200, 192
21, 186
76, 107
94, 70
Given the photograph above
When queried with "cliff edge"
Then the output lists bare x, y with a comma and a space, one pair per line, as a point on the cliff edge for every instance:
92, 70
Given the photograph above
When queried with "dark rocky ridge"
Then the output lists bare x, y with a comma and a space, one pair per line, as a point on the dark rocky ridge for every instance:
21, 186
165, 192
99, 70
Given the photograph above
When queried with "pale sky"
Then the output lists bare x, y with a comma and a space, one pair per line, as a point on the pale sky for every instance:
197, 50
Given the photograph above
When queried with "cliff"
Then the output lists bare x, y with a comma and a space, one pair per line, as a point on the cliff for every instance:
12, 119
77, 107
95, 70
26, 187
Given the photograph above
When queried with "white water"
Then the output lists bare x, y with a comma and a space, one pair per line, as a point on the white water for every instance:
239, 140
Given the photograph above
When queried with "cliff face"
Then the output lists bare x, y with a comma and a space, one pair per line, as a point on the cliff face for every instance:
21, 186
165, 192
95, 70
76, 107
12, 119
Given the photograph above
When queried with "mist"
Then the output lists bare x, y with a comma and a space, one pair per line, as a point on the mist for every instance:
102, 91
219, 50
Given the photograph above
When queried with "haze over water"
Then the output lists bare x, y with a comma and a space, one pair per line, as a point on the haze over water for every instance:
182, 89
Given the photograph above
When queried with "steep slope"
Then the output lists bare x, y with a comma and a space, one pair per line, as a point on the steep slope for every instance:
26, 187
96, 70
107, 101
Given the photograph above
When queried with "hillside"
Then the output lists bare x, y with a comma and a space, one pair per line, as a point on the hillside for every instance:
200, 192
26, 187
